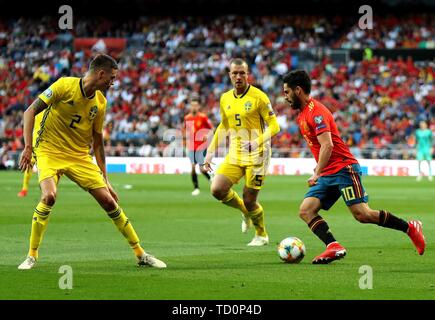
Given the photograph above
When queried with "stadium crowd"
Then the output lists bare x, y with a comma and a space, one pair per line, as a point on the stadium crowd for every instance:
377, 102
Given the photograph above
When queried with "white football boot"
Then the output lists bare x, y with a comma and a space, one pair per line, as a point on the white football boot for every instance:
259, 241
196, 192
151, 261
29, 263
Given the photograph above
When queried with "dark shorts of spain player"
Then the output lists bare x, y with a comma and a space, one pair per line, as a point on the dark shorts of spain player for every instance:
197, 156
345, 183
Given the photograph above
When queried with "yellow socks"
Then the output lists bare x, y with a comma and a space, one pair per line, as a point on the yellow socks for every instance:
257, 217
124, 226
39, 225
233, 200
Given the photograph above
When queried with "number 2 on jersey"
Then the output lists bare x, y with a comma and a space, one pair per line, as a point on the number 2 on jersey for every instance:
76, 119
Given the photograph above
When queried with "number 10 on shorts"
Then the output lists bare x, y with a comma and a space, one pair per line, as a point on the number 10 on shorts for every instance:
348, 193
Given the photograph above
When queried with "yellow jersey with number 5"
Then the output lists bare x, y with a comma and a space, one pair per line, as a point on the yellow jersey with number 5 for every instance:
245, 118
68, 123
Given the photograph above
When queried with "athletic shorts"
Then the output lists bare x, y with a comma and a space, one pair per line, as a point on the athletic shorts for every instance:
197, 157
424, 154
254, 174
81, 170
345, 183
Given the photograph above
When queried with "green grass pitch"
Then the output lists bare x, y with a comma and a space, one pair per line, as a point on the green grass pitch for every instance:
201, 241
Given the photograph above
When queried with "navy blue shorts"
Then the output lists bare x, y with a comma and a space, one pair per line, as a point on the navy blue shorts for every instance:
345, 183
197, 157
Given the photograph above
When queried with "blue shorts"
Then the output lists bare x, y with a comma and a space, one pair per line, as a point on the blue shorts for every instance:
345, 183
198, 156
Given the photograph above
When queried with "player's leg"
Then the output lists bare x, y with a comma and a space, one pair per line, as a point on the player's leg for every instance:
26, 179
40, 220
88, 176
356, 199
48, 177
256, 215
419, 158
428, 157
193, 174
323, 195
194, 177
221, 188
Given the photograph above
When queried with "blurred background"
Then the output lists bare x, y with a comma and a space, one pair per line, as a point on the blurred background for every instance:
379, 83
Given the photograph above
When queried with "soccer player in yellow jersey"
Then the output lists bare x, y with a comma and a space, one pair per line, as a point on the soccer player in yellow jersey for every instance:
28, 173
245, 112
73, 114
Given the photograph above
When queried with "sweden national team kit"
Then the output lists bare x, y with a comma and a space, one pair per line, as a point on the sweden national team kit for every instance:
62, 143
245, 117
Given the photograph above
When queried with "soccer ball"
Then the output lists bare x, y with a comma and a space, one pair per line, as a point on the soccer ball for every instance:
291, 250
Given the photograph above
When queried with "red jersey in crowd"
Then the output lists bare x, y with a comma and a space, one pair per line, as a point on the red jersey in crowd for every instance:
314, 119
197, 129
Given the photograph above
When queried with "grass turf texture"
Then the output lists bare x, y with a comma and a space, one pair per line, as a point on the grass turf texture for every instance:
201, 241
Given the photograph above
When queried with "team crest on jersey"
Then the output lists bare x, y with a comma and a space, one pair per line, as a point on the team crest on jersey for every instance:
48, 93
318, 119
248, 106
93, 113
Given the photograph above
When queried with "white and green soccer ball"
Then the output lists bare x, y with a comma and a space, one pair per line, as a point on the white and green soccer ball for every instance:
291, 250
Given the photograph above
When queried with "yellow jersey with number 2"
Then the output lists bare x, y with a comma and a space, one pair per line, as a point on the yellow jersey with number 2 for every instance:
68, 123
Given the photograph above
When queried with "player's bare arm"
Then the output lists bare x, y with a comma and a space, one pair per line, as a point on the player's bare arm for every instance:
100, 156
29, 119
219, 136
272, 129
326, 147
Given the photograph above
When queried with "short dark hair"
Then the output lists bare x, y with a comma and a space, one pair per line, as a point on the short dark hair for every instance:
103, 61
299, 78
238, 62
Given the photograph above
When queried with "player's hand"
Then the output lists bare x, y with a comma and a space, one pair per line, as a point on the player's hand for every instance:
313, 180
26, 159
207, 163
250, 145
112, 192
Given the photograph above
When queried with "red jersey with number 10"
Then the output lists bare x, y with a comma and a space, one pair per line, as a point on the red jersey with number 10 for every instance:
197, 128
314, 119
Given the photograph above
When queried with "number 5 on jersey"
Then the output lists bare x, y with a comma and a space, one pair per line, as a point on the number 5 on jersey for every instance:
239, 121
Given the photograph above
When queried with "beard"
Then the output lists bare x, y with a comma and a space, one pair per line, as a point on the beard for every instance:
295, 103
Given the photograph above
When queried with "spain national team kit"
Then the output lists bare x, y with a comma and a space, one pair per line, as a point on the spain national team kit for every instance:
342, 174
198, 127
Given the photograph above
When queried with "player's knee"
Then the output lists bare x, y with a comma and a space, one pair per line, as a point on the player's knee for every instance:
49, 198
361, 216
249, 202
250, 205
305, 214
217, 192
108, 203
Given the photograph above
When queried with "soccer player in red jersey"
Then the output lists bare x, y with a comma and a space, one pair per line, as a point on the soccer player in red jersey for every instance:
337, 173
198, 128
